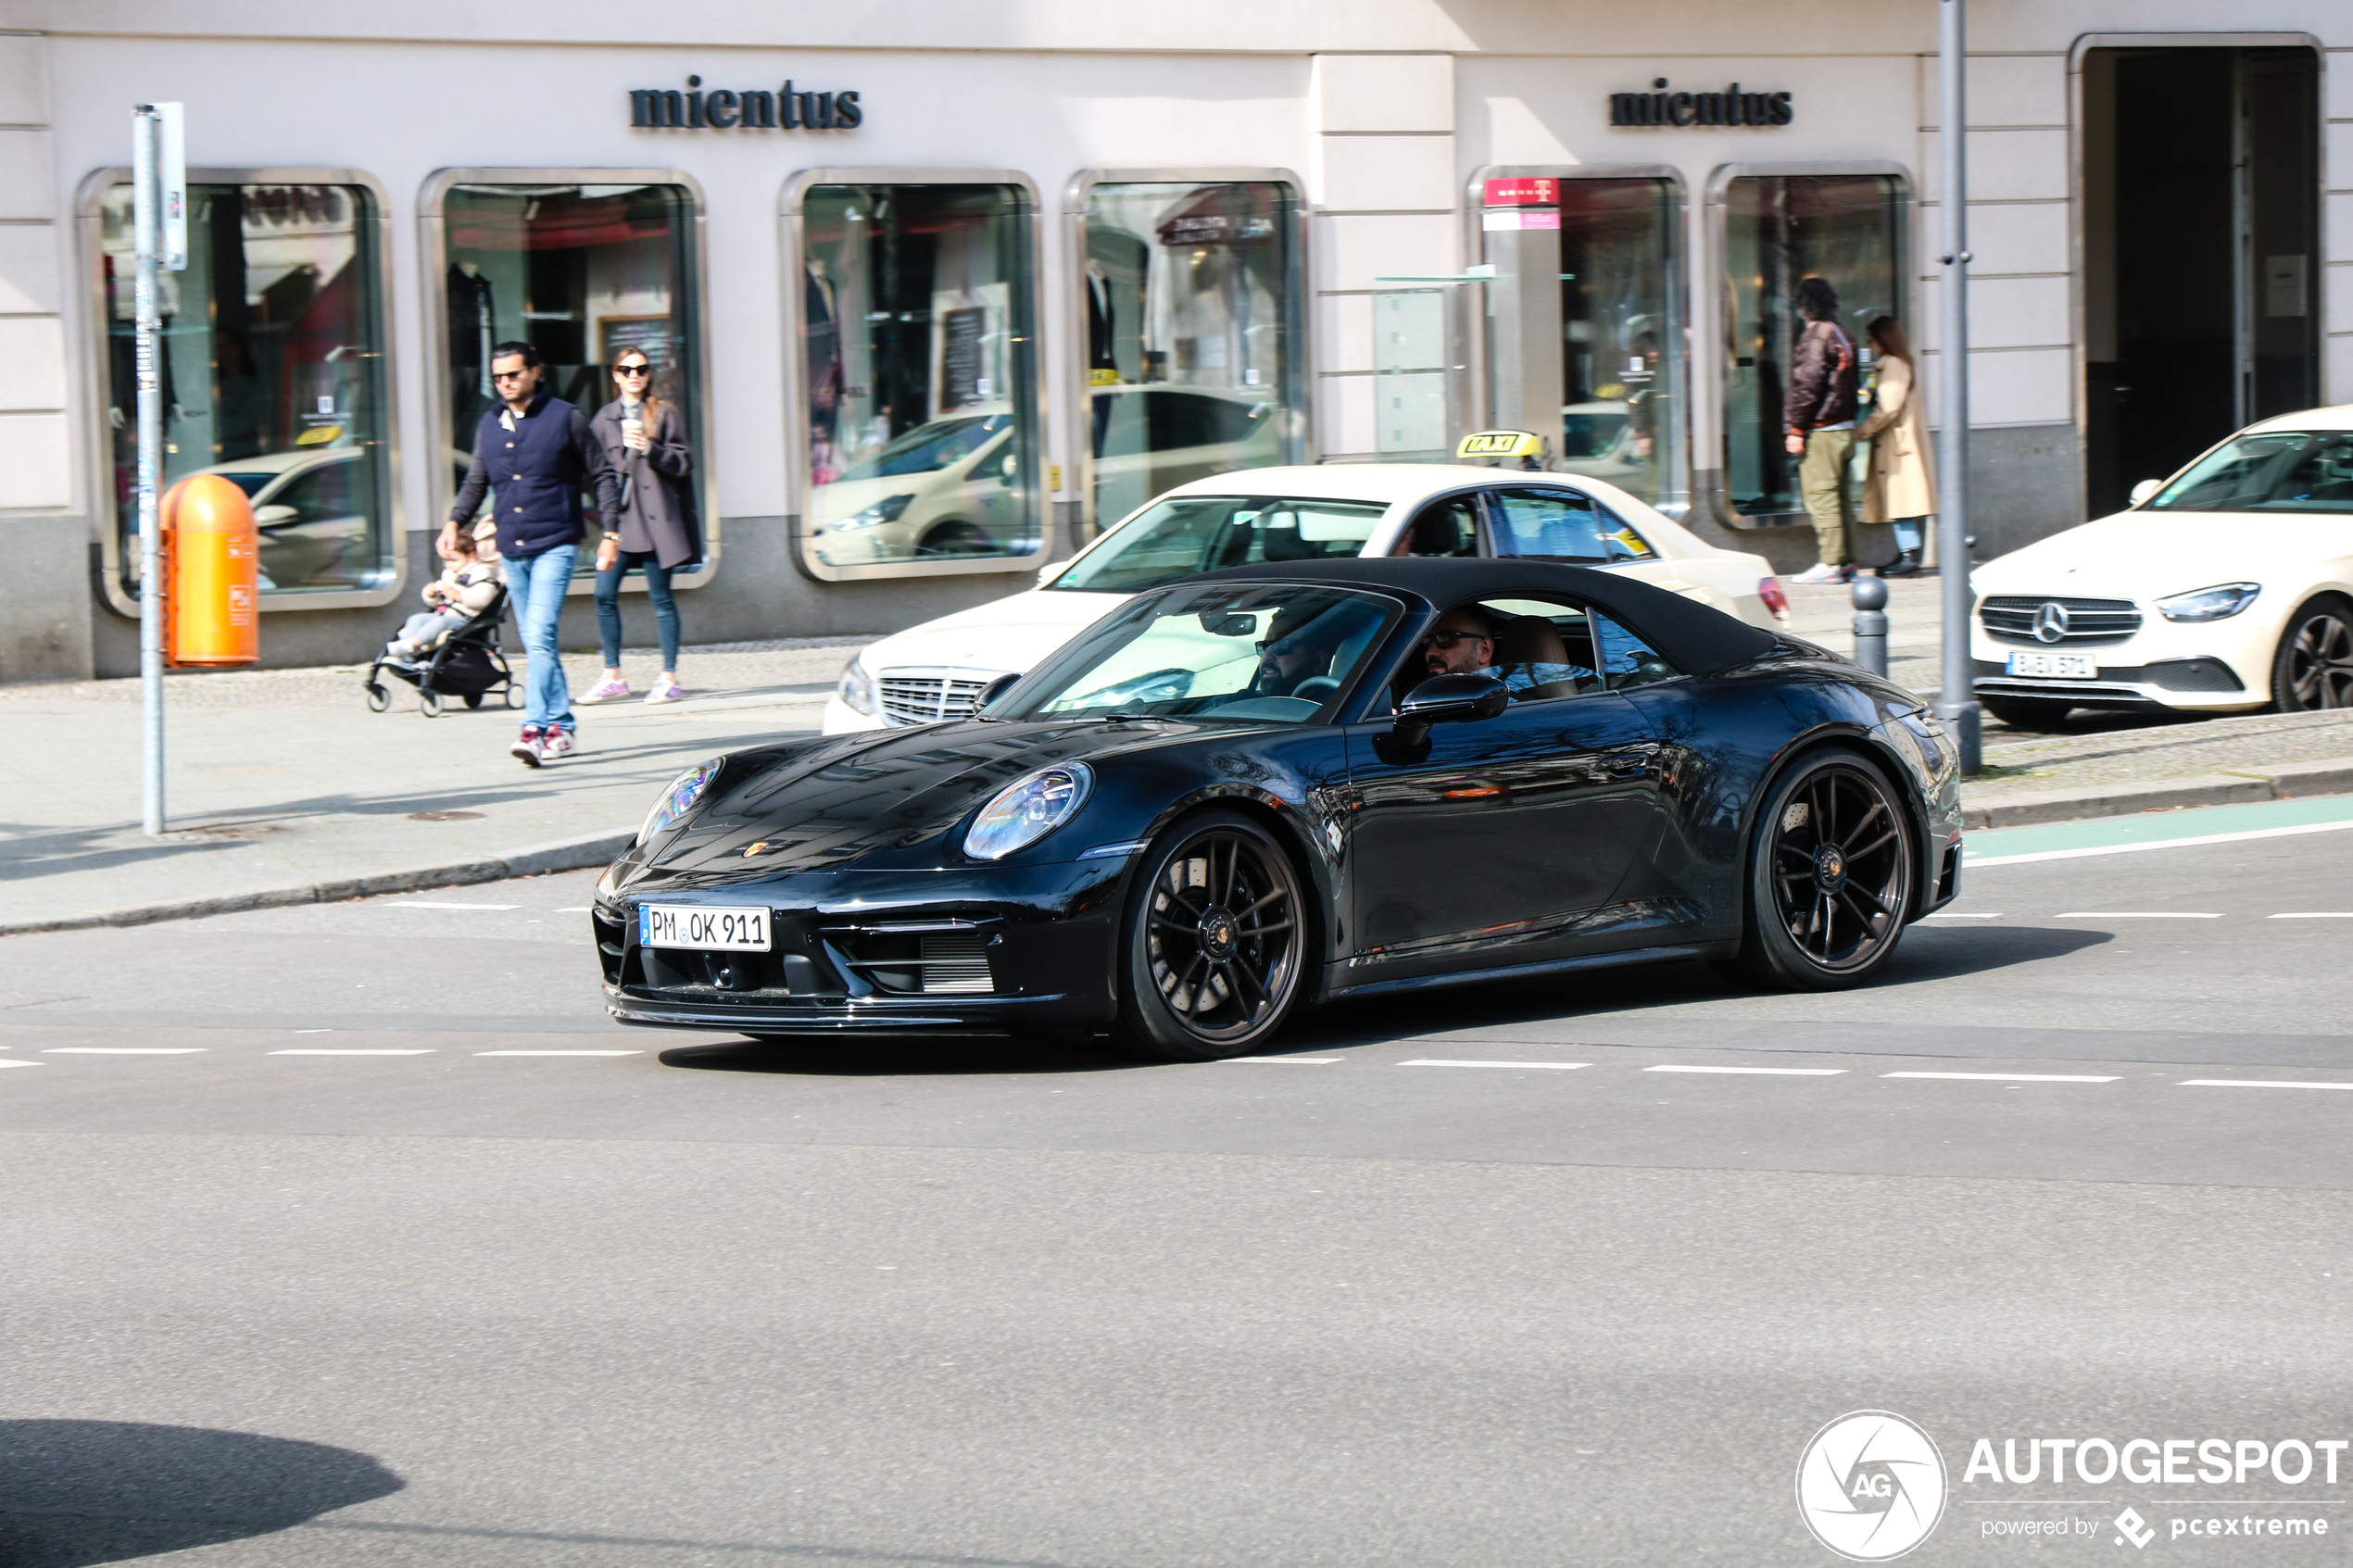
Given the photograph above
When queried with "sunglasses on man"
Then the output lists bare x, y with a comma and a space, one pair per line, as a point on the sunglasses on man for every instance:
1449, 639
637, 369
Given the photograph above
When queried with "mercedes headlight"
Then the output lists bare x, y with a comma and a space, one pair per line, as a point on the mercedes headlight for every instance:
1027, 809
2210, 604
888, 510
679, 798
857, 687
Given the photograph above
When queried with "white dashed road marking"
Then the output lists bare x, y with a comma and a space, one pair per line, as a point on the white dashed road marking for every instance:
1772, 1072
2016, 1077
2317, 914
1974, 862
1434, 1061
2129, 914
125, 1050
2255, 1083
5, 1062
325, 1051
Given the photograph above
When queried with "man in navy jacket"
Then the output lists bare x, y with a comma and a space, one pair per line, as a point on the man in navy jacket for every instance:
533, 454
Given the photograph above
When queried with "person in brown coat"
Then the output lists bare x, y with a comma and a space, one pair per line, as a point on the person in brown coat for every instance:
1901, 486
655, 530
1819, 425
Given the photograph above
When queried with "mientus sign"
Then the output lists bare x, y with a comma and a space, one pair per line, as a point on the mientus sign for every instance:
723, 108
1731, 106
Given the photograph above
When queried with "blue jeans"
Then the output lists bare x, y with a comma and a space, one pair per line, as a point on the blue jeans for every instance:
1907, 533
656, 590
537, 582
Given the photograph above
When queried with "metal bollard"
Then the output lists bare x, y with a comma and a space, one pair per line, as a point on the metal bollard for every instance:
1871, 624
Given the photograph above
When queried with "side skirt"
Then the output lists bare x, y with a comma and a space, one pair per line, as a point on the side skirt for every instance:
1665, 954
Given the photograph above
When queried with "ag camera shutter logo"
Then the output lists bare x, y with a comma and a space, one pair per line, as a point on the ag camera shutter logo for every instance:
1870, 1485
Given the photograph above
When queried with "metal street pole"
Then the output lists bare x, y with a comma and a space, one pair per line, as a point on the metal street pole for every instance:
146, 141
1956, 704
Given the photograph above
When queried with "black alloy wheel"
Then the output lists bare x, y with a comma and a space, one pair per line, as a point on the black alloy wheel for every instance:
1830, 879
953, 539
2314, 667
1214, 940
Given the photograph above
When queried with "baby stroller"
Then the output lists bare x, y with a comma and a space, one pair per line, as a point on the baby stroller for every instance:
468, 665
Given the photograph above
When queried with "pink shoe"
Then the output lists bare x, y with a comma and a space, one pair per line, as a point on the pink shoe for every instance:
665, 691
528, 747
555, 744
606, 689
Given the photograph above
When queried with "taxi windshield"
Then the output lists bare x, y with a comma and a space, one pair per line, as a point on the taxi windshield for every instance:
2281, 471
1263, 654
1188, 534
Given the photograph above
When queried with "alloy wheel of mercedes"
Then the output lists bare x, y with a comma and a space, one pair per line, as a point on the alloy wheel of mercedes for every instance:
1830, 876
2314, 667
1215, 935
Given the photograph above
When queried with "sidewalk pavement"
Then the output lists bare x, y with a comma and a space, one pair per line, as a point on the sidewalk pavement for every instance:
283, 788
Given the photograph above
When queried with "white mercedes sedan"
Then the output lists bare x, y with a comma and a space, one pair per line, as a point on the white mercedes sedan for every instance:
939, 669
2226, 588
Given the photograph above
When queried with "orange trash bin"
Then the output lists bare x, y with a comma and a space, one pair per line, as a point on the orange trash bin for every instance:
212, 574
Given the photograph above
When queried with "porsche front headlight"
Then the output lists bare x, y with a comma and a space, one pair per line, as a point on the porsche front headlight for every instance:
679, 798
2210, 604
1027, 809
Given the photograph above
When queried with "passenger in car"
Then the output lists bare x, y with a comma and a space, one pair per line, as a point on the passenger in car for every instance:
1526, 652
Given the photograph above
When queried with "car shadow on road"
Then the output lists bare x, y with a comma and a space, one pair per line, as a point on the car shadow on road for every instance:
902, 1056
77, 1492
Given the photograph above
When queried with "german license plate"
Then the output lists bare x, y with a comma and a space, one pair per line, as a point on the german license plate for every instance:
707, 927
2055, 666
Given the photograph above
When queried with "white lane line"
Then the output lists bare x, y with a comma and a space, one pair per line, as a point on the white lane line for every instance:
574, 910
314, 1031
327, 1051
1435, 1061
428, 904
2255, 1083
2315, 914
1772, 1072
5, 1062
559, 1053
126, 1050
1973, 860
2129, 914
2016, 1077
1309, 1061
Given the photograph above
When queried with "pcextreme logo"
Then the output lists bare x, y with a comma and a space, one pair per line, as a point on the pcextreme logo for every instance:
1870, 1485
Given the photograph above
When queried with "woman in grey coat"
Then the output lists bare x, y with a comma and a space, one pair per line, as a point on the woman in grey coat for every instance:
657, 531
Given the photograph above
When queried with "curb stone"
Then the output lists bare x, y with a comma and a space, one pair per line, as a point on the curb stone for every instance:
562, 855
2290, 782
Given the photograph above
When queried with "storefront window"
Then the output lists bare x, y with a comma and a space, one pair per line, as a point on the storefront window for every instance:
272, 375
580, 272
1780, 229
1191, 357
917, 312
1622, 404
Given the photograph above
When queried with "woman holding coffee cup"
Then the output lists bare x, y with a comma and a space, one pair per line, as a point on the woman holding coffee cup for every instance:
657, 531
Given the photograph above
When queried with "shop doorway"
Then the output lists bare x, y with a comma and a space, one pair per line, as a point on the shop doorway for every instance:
2201, 192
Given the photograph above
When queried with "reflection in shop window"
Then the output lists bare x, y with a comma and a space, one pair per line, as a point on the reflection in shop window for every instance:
271, 371
580, 272
1622, 406
917, 314
1192, 362
1780, 230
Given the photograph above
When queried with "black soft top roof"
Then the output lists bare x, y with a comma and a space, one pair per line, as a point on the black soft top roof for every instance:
1696, 638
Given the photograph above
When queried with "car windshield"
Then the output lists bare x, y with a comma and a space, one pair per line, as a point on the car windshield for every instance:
250, 484
928, 448
1187, 534
1262, 654
2281, 471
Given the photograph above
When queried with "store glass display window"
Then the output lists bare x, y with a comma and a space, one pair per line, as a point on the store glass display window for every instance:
272, 375
580, 271
1191, 290
918, 346
1778, 230
1622, 402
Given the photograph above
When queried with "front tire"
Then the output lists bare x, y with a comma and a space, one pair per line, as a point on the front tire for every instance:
2313, 668
1214, 942
1830, 875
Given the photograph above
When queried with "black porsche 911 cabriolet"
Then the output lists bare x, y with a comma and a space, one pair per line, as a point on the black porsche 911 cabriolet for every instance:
1282, 784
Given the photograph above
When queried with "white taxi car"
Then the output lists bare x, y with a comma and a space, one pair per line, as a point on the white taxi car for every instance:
938, 670
2227, 588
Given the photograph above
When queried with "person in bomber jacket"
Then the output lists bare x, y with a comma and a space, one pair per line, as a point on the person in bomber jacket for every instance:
534, 454
1818, 426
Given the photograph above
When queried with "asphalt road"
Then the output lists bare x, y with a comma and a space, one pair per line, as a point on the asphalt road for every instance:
380, 1245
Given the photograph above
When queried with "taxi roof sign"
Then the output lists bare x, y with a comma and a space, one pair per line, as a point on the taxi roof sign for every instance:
1501, 444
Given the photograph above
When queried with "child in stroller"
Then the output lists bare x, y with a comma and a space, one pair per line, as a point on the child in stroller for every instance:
452, 649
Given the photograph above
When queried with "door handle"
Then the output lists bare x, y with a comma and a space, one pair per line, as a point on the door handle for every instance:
1626, 764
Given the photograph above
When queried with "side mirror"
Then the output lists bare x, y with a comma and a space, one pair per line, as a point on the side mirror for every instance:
274, 516
1450, 700
2146, 489
992, 691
